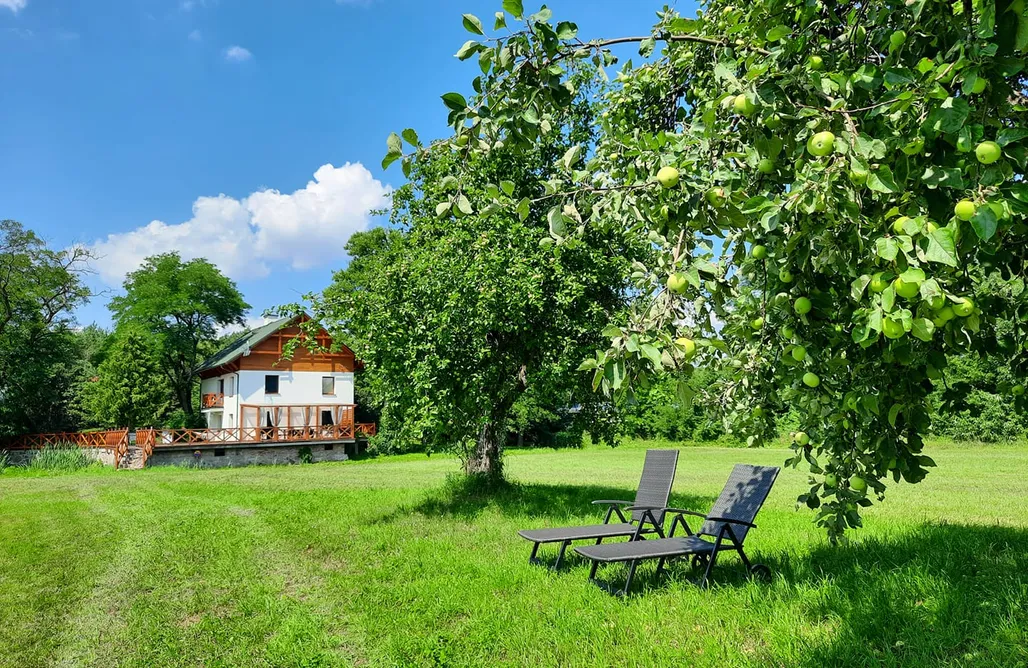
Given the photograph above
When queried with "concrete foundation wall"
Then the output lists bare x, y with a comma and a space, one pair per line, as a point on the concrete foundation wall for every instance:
25, 457
245, 456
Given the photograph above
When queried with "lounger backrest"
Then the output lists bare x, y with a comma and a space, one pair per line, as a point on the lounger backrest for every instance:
741, 499
655, 485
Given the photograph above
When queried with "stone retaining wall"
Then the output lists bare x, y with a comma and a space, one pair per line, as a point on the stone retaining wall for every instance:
248, 456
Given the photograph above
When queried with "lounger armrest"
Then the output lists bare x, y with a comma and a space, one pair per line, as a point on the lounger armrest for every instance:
661, 508
683, 511
607, 502
731, 521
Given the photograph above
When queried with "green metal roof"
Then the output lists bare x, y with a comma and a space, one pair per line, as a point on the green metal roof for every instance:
243, 343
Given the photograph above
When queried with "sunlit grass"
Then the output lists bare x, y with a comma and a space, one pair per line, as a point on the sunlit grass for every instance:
383, 562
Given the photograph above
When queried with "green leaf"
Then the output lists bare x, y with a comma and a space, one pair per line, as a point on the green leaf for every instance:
858, 286
442, 208
394, 144
652, 353
455, 101
469, 49
588, 365
464, 205
887, 248
943, 177
913, 275
412, 137
941, 247
778, 32
923, 328
881, 180
571, 156
566, 30
950, 116
449, 182
985, 223
894, 413
558, 224
721, 71
473, 24
507, 187
514, 8
1010, 135
531, 116
501, 21
524, 209
390, 159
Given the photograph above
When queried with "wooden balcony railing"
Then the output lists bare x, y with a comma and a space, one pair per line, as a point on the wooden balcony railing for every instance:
107, 440
175, 438
212, 400
367, 428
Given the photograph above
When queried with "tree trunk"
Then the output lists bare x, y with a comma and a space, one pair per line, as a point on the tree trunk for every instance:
185, 399
487, 458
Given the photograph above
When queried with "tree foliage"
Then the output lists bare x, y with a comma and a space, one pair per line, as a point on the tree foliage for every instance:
459, 312
806, 218
180, 305
39, 288
129, 389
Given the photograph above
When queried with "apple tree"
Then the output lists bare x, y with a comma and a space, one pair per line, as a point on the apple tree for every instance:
834, 191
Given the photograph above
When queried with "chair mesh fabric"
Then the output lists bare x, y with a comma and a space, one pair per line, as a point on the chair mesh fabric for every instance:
655, 485
741, 499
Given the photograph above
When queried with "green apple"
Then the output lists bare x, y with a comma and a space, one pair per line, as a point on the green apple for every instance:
878, 283
978, 86
898, 225
743, 106
716, 197
858, 484
858, 177
945, 314
788, 332
964, 307
1017, 390
687, 345
905, 289
816, 62
757, 323
893, 329
937, 302
766, 166
802, 305
930, 227
821, 144
668, 177
811, 379
897, 39
965, 209
758, 252
831, 480
785, 276
801, 438
677, 283
988, 152
773, 122
799, 353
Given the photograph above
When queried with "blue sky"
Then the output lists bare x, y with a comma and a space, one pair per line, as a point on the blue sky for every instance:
249, 132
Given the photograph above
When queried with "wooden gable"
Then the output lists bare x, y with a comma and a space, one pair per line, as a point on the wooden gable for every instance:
267, 355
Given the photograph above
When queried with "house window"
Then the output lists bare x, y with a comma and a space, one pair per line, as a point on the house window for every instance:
271, 385
328, 385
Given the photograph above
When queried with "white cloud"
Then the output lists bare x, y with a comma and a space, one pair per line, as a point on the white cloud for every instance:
237, 54
248, 324
13, 5
195, 36
267, 230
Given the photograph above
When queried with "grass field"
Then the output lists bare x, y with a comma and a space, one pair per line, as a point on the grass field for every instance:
383, 563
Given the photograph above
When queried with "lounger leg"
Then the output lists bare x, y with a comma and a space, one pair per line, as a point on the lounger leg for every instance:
742, 555
631, 574
532, 559
592, 570
710, 567
660, 567
560, 555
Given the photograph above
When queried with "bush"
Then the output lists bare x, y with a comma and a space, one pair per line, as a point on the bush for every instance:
63, 457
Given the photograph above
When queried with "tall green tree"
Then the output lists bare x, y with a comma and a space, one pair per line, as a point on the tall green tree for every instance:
180, 305
857, 165
456, 314
129, 389
39, 289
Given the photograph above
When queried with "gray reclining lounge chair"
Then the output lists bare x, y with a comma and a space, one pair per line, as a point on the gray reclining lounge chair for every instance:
729, 519
651, 497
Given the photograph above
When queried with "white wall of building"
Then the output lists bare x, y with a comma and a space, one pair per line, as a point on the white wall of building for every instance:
295, 388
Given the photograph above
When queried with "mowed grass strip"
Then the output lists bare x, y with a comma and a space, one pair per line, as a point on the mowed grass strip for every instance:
385, 562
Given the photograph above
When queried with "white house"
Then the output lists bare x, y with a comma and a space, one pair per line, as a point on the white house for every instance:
248, 386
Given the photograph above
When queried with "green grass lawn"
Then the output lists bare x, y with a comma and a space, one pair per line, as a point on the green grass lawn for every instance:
382, 563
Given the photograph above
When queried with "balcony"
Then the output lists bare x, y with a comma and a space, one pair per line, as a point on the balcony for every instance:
212, 400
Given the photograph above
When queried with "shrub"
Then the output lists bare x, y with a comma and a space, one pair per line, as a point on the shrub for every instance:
62, 457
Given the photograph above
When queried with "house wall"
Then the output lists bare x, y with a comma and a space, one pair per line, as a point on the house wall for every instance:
295, 388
